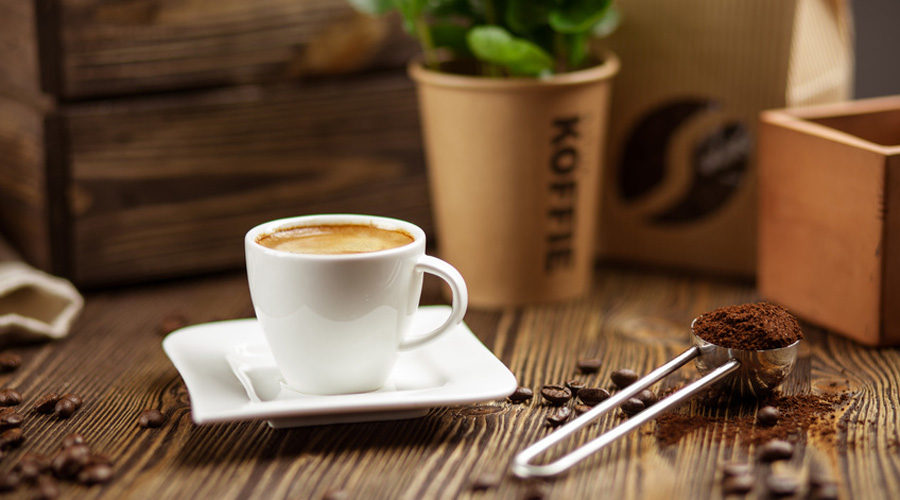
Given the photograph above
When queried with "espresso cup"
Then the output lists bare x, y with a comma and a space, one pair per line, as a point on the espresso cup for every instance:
335, 296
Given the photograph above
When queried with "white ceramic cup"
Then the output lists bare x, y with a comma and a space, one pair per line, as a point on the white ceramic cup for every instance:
335, 323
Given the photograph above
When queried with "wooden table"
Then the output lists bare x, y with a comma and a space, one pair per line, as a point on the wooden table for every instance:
633, 318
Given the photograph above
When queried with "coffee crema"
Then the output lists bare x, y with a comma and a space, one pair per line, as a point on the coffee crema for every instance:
334, 239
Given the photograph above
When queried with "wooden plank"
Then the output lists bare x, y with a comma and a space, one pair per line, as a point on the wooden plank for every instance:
19, 75
139, 46
632, 318
168, 185
24, 191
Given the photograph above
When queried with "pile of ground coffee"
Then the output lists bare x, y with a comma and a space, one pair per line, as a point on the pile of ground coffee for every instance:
749, 327
801, 414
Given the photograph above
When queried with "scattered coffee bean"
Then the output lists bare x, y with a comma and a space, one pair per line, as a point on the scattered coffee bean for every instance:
9, 481
11, 438
64, 408
47, 487
68, 462
824, 491
575, 385
632, 406
768, 416
9, 362
72, 440
95, 473
10, 419
559, 417
776, 450
74, 398
589, 365
486, 482
32, 465
782, 486
623, 377
151, 418
648, 397
732, 469
592, 396
556, 394
521, 395
171, 323
738, 485
582, 409
47, 403
10, 397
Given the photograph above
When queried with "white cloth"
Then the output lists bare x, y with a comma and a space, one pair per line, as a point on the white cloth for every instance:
34, 305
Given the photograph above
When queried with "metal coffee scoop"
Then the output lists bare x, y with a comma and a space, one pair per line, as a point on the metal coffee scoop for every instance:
746, 373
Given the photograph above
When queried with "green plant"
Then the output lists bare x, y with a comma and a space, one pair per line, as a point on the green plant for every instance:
508, 37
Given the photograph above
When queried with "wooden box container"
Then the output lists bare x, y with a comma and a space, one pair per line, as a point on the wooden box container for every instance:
140, 139
829, 221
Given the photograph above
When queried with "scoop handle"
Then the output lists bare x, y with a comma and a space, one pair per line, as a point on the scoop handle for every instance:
522, 466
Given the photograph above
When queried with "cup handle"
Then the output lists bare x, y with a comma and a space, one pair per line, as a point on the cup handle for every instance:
458, 304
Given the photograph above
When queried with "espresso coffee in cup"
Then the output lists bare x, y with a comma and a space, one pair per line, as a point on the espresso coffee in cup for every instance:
334, 239
335, 296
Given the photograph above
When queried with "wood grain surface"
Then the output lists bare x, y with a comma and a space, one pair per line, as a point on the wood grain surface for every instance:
632, 318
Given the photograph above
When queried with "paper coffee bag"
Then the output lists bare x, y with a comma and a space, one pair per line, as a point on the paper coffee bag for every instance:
680, 183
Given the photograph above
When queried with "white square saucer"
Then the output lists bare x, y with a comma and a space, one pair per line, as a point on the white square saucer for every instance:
231, 376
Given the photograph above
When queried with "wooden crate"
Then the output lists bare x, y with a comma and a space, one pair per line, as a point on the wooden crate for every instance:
140, 139
829, 222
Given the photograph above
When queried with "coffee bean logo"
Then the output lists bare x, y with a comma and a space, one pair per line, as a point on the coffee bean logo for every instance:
717, 157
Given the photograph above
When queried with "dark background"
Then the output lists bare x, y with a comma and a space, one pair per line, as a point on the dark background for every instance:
877, 47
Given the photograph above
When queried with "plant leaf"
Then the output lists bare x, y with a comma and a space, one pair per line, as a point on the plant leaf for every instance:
451, 36
494, 44
523, 16
578, 16
372, 7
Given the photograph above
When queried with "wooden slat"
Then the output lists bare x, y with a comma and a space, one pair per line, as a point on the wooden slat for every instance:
168, 185
136, 46
632, 318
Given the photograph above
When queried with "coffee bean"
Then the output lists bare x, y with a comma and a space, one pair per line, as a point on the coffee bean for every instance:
72, 440
170, 323
632, 406
556, 394
521, 395
575, 385
648, 397
623, 377
768, 416
11, 438
151, 418
47, 488
592, 396
776, 450
732, 469
10, 419
9, 481
32, 465
64, 408
589, 365
9, 362
10, 397
738, 485
559, 417
95, 473
782, 486
486, 482
68, 462
47, 403
582, 409
74, 398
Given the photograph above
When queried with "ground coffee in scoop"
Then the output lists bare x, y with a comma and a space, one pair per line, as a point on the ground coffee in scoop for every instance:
749, 327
